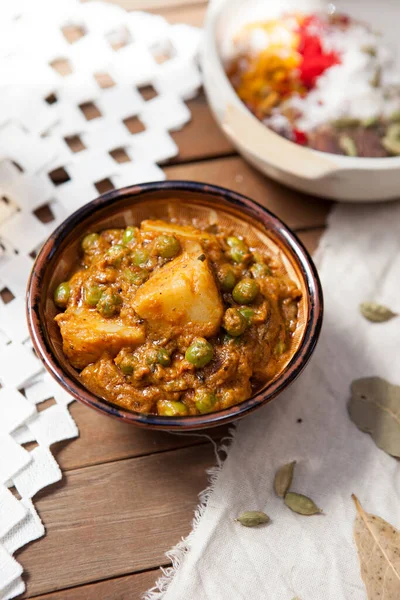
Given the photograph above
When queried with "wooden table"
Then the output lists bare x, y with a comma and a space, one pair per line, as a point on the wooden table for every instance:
128, 496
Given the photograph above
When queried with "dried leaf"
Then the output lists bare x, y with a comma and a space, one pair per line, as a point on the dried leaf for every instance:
377, 313
378, 545
252, 518
374, 407
301, 504
283, 479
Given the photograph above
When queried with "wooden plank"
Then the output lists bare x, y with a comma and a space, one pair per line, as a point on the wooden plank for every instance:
190, 12
201, 138
297, 210
158, 5
102, 439
114, 519
129, 587
311, 238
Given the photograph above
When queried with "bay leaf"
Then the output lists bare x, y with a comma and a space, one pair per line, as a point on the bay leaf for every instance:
283, 479
374, 407
377, 313
252, 518
378, 546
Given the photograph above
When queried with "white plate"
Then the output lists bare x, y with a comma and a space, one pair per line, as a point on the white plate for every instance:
318, 173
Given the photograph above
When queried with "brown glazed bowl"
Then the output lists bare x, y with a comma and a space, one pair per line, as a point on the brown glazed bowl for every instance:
187, 201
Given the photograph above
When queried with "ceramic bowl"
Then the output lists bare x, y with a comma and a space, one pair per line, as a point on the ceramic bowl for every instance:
318, 173
183, 200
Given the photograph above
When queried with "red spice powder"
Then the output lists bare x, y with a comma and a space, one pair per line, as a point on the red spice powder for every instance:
315, 61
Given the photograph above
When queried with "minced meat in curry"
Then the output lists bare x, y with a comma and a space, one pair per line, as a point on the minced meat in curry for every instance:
174, 320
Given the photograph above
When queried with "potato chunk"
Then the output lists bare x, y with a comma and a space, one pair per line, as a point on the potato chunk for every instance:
181, 231
182, 293
86, 335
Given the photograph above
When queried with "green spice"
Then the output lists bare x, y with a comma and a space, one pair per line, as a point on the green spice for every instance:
302, 505
377, 313
370, 122
283, 479
345, 122
347, 145
248, 313
395, 116
253, 518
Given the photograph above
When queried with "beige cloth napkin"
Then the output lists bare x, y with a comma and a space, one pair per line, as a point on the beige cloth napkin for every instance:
312, 558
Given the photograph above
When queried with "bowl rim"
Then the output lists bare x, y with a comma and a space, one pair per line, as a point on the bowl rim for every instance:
214, 12
246, 205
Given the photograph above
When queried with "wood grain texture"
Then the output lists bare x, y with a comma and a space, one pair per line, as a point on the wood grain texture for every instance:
128, 587
201, 138
311, 238
114, 519
297, 210
158, 5
104, 440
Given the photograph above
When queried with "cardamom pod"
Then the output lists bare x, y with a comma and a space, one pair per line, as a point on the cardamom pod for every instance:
283, 479
377, 313
348, 145
252, 518
301, 504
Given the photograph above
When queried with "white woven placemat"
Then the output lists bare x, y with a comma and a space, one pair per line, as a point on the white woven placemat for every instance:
41, 110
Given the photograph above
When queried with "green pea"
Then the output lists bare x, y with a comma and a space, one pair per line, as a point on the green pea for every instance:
260, 270
163, 358
199, 353
151, 357
238, 249
226, 338
169, 408
140, 257
280, 348
136, 277
62, 294
109, 304
92, 294
227, 278
167, 246
129, 235
234, 322
127, 364
205, 401
245, 291
248, 313
89, 241
115, 254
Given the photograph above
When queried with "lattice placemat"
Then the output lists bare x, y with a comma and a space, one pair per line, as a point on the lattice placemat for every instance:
88, 96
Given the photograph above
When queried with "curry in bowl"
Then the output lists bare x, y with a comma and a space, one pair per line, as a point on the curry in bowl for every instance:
176, 319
